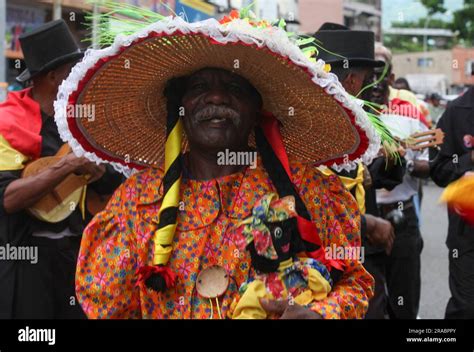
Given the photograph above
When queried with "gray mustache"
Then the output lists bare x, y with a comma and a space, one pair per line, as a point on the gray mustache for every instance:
216, 111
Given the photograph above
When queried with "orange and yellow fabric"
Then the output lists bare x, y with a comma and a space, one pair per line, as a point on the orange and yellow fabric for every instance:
459, 196
350, 183
119, 240
314, 287
268, 233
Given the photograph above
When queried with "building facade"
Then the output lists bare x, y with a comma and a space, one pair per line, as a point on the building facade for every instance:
438, 70
426, 72
463, 66
364, 15
355, 14
24, 15
313, 13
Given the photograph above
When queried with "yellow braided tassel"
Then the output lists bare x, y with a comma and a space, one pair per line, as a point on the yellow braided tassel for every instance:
163, 237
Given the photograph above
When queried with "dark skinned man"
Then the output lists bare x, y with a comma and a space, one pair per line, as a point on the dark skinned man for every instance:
221, 113
43, 287
450, 163
355, 70
403, 266
170, 235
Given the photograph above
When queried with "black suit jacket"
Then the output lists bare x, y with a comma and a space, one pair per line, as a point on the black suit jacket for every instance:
453, 160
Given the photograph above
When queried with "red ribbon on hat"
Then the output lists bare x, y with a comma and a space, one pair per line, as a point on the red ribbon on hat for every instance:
306, 228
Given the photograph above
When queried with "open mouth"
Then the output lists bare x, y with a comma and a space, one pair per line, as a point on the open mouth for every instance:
220, 122
217, 122
217, 119
217, 115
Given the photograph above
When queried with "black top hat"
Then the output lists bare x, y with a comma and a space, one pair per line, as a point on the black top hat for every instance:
340, 43
48, 47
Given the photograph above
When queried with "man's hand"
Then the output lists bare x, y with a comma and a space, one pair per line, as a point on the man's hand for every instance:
25, 192
83, 166
285, 310
400, 150
392, 159
380, 232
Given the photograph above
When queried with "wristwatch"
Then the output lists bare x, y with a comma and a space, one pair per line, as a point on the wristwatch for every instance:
410, 166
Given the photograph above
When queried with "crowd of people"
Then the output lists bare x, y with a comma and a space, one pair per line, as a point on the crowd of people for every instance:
134, 216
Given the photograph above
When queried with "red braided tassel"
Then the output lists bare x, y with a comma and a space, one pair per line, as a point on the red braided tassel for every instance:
145, 272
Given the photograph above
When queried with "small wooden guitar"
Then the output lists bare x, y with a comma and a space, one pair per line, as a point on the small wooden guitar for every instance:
423, 140
62, 201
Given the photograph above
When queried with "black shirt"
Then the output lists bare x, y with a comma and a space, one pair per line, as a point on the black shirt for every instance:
16, 229
382, 177
14, 226
453, 160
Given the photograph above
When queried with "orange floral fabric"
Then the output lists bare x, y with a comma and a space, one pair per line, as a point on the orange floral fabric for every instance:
118, 241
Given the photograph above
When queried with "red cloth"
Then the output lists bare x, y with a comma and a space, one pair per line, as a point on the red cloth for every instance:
466, 214
405, 108
306, 228
20, 123
146, 271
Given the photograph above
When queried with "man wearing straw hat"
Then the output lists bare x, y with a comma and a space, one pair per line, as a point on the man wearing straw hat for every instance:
167, 245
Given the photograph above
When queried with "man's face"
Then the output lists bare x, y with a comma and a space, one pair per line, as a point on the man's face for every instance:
380, 92
58, 75
49, 83
220, 110
358, 80
369, 79
361, 77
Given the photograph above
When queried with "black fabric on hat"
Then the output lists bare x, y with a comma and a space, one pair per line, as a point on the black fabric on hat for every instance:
48, 47
339, 44
329, 26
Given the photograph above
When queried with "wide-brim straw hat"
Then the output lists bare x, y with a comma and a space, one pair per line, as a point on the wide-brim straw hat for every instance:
112, 109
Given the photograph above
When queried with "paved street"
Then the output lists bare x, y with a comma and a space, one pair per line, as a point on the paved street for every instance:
434, 259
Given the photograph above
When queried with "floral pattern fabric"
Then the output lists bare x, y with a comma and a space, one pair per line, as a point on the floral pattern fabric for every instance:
119, 239
253, 229
293, 279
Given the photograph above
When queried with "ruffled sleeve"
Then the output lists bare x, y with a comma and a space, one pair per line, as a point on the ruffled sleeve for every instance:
105, 274
336, 215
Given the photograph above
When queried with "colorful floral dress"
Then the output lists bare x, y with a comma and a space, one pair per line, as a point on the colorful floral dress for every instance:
118, 241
